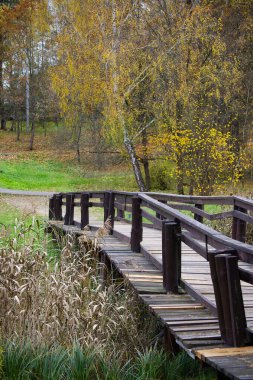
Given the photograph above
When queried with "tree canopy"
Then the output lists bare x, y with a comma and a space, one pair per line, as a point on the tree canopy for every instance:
158, 80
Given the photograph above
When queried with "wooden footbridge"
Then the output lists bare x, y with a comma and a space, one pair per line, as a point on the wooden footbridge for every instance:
195, 279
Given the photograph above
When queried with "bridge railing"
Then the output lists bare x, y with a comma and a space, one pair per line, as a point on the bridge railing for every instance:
161, 211
222, 253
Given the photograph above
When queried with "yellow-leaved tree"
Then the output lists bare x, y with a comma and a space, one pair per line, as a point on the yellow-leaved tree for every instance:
78, 74
200, 82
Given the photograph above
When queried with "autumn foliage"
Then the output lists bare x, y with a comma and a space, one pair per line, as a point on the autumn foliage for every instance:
157, 80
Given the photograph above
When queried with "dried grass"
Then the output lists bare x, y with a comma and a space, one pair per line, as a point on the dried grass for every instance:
48, 298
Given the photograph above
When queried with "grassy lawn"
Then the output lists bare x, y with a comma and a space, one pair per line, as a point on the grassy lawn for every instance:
57, 176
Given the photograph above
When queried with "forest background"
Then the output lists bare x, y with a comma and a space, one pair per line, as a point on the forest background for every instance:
161, 86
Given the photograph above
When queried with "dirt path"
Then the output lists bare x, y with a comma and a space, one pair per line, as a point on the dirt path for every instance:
25, 192
32, 203
28, 205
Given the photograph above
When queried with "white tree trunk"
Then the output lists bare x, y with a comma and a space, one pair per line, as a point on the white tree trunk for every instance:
134, 161
118, 103
27, 97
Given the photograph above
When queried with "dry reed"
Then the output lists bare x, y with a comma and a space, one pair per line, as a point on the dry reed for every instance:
48, 299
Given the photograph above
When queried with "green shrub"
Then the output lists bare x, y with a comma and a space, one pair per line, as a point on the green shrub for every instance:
162, 175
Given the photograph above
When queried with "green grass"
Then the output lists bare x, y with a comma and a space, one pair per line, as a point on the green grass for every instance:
56, 176
23, 361
8, 213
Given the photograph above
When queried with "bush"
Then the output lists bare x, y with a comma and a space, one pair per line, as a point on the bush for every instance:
162, 175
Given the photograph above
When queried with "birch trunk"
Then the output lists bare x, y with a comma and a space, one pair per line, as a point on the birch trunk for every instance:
27, 98
3, 123
32, 136
118, 104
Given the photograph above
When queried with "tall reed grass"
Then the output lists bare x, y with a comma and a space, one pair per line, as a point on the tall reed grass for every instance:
59, 322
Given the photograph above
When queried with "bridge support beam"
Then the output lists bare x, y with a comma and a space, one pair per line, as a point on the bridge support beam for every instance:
197, 217
171, 256
228, 295
51, 207
85, 198
70, 205
239, 226
55, 207
109, 210
137, 230
170, 345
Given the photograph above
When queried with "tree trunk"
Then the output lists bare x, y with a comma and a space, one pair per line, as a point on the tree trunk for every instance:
18, 130
147, 174
78, 131
115, 78
180, 176
27, 96
145, 160
191, 187
44, 127
12, 125
135, 163
32, 136
3, 122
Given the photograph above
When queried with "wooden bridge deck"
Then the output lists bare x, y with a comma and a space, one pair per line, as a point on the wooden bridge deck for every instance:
189, 323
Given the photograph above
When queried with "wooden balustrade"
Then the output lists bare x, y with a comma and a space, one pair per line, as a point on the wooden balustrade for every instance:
221, 251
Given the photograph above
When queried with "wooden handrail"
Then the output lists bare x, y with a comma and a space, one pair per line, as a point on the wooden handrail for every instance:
245, 251
240, 217
221, 251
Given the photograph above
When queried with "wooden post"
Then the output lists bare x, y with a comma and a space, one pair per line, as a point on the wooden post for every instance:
106, 204
51, 207
158, 215
85, 198
120, 214
171, 255
170, 345
217, 293
234, 224
237, 310
111, 211
70, 204
229, 300
55, 207
239, 226
136, 232
58, 207
197, 217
